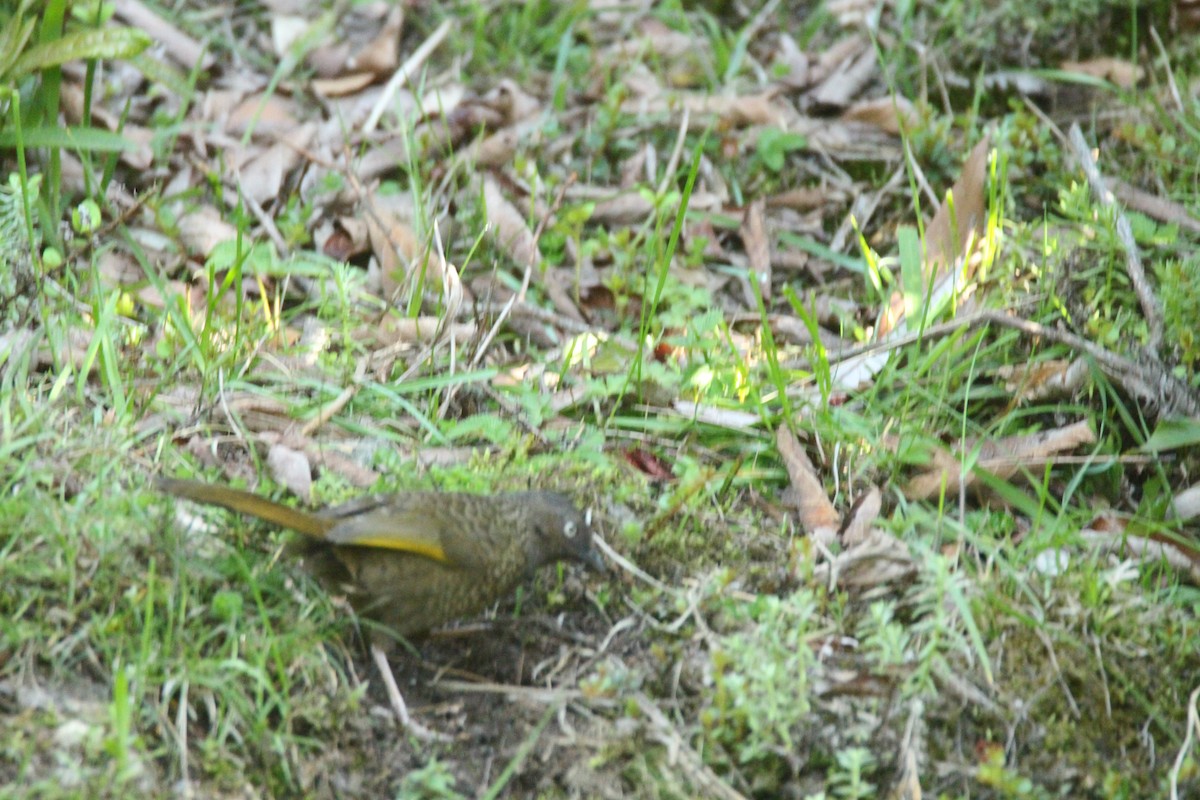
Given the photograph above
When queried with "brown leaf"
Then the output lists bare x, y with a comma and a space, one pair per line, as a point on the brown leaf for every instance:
342, 85
862, 517
943, 245
758, 252
1003, 458
891, 114
381, 56
815, 510
1114, 70
509, 228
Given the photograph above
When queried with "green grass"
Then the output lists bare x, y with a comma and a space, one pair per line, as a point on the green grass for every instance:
138, 652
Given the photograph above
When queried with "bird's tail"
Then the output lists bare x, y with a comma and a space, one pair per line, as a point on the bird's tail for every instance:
247, 503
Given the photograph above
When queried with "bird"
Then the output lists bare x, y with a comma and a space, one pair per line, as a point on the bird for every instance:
413, 561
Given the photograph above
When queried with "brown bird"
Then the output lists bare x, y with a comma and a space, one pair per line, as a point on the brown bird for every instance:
416, 560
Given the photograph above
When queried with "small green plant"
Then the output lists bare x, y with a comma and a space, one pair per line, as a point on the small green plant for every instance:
433, 781
774, 145
761, 677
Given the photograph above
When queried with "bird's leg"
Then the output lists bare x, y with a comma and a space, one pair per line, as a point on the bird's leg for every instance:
397, 699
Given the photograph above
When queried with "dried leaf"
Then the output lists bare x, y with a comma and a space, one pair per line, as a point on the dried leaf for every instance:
891, 114
758, 250
508, 226
290, 468
815, 510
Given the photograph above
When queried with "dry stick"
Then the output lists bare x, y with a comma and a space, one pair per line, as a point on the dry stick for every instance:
405, 72
676, 152
1171, 84
1133, 260
692, 765
627, 565
181, 719
260, 214
331, 408
1145, 380
1193, 725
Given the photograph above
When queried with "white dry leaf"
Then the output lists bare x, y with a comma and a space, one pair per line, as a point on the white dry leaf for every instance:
202, 230
845, 83
721, 417
1187, 503
290, 468
285, 30
789, 63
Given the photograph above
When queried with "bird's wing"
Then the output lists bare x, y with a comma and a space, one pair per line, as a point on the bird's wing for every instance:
405, 523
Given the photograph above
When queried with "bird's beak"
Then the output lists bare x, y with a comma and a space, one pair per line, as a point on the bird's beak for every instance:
592, 559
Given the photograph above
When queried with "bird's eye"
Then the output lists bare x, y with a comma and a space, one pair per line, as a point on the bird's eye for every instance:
569, 529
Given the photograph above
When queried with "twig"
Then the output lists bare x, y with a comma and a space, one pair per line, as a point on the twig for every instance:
1133, 260
536, 694
682, 754
331, 408
627, 565
676, 152
1147, 380
405, 72
1193, 726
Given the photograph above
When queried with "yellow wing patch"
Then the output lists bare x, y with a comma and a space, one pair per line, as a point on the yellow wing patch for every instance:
406, 546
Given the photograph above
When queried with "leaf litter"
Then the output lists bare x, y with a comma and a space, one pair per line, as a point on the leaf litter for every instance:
496, 161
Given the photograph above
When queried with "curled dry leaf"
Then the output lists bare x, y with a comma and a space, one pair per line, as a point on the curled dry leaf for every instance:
342, 85
758, 252
1052, 378
891, 114
1003, 458
816, 511
1117, 71
508, 225
862, 517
